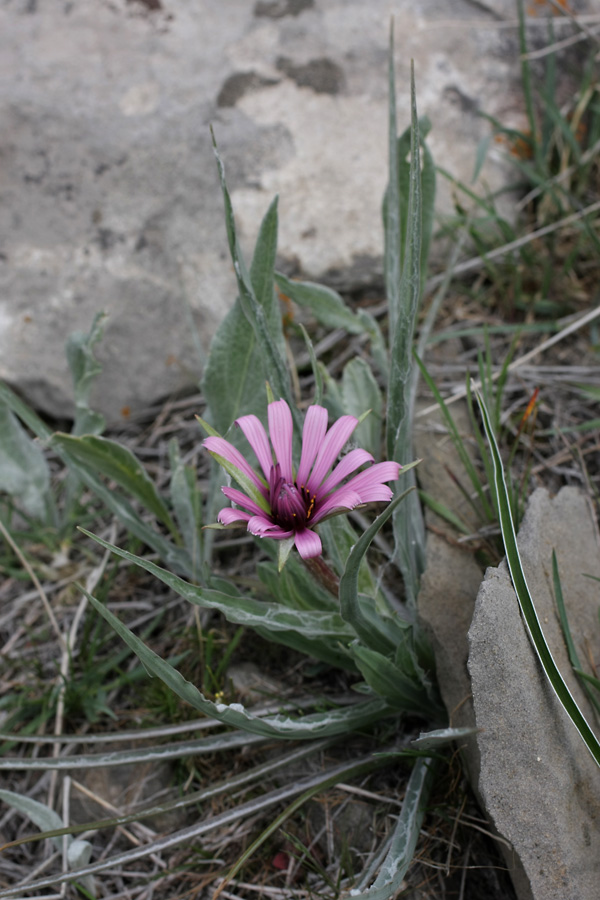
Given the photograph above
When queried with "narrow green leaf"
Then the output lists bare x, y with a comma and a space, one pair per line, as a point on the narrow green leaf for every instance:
41, 815
526, 604
117, 463
187, 504
274, 363
391, 208
409, 528
285, 548
326, 724
235, 374
85, 368
433, 740
244, 610
405, 837
349, 601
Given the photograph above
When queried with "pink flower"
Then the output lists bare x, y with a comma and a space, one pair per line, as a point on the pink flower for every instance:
280, 504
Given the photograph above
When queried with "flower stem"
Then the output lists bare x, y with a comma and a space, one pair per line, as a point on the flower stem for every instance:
319, 569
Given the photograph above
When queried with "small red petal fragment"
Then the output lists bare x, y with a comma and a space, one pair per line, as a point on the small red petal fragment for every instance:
281, 860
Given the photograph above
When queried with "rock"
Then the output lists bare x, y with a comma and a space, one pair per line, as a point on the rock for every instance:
110, 199
538, 781
452, 578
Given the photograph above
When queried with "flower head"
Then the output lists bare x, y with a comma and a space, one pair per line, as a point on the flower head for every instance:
284, 503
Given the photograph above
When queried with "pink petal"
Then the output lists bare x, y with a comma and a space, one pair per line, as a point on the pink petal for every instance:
340, 499
369, 484
335, 439
348, 464
228, 516
240, 498
281, 430
308, 543
315, 426
256, 436
263, 527
223, 448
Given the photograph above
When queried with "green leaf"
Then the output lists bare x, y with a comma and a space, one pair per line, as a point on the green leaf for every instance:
433, 740
235, 375
350, 607
268, 343
24, 473
325, 724
241, 610
40, 814
526, 604
117, 463
406, 241
187, 504
84, 369
113, 501
388, 681
404, 839
79, 852
361, 392
284, 548
326, 304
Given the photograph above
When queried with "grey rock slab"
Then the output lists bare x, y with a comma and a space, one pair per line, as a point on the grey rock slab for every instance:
452, 577
538, 781
109, 198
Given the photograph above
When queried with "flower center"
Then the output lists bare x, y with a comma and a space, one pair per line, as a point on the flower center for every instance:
291, 506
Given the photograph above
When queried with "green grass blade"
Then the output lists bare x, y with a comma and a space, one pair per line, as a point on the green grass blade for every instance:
524, 597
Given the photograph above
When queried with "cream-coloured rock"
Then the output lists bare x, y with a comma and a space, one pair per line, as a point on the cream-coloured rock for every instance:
108, 188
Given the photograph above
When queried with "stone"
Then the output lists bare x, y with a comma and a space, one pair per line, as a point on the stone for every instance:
109, 193
539, 783
452, 577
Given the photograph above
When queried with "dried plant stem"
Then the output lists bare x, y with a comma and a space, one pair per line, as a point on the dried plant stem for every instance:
545, 345
46, 603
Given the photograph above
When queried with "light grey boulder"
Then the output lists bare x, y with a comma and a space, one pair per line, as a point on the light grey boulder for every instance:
109, 198
537, 779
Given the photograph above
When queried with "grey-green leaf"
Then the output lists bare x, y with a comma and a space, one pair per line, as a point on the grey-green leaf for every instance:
24, 472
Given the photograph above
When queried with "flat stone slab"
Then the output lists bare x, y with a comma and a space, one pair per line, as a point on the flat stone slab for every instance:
108, 187
537, 779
